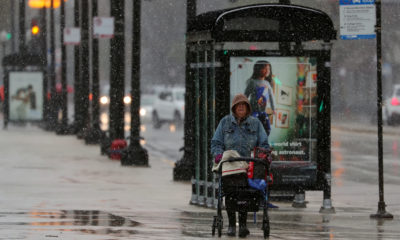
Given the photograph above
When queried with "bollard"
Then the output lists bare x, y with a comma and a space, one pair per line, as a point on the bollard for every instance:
299, 200
327, 202
201, 198
210, 197
194, 198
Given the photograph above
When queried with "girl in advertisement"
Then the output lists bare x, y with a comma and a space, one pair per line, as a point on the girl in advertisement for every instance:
260, 91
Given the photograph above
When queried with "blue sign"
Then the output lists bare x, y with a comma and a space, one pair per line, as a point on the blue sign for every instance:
357, 19
348, 2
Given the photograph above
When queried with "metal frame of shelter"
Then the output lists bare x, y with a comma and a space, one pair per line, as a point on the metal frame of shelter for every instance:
25, 63
261, 30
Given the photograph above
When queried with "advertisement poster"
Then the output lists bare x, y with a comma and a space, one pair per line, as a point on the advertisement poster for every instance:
283, 92
26, 96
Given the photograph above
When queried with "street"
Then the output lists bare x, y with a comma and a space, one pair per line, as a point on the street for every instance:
58, 187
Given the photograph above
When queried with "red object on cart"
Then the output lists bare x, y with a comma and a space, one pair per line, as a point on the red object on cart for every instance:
262, 154
116, 148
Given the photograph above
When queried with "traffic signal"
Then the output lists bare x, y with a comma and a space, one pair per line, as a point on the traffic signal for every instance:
35, 29
36, 43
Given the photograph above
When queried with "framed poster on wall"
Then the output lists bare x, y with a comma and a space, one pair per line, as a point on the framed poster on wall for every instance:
284, 95
282, 118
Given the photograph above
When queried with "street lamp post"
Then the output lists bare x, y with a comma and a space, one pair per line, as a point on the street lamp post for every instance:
117, 72
135, 154
184, 168
84, 70
43, 54
53, 101
381, 213
62, 128
94, 133
21, 35
77, 76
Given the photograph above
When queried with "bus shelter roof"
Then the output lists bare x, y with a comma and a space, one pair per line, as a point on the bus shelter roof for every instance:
23, 59
265, 23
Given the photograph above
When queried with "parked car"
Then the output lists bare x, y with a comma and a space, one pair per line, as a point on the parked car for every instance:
391, 109
169, 106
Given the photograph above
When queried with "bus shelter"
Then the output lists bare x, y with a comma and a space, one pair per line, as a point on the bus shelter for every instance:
223, 48
24, 88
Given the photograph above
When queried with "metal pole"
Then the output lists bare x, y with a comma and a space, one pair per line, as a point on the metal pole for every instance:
63, 127
284, 47
325, 120
197, 127
53, 100
117, 73
212, 117
84, 70
381, 213
135, 154
43, 53
184, 168
94, 133
4, 77
77, 75
13, 32
190, 11
21, 35
95, 73
6, 103
204, 126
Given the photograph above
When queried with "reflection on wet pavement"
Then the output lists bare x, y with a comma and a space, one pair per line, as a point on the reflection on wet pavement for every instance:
94, 222
338, 162
286, 223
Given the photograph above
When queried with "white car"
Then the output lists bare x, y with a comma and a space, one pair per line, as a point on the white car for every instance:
169, 106
391, 109
146, 106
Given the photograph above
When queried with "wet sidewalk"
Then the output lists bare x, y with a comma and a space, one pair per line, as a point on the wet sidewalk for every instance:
56, 187
54, 184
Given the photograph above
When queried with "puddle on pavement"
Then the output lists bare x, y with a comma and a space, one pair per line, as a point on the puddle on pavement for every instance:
96, 222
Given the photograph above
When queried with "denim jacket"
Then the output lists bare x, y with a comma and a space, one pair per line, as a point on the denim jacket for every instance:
242, 138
